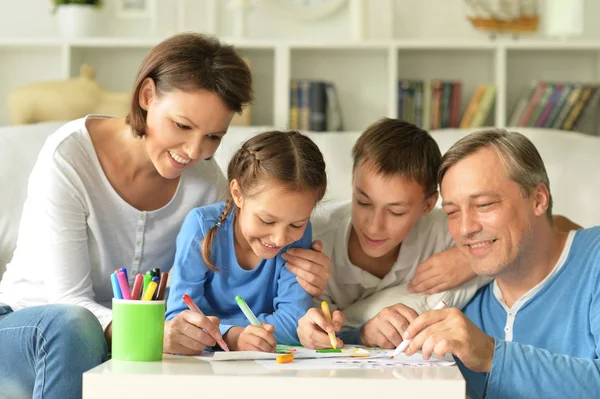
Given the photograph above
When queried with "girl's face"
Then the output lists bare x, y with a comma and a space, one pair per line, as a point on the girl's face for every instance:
385, 209
182, 127
271, 218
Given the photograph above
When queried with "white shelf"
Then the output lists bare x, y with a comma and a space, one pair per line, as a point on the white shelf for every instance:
365, 73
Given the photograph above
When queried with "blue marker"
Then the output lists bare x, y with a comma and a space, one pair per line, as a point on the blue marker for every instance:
124, 270
115, 286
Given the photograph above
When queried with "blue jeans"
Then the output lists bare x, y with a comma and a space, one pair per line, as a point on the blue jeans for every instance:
44, 350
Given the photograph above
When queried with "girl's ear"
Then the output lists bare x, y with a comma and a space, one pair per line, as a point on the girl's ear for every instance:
147, 93
430, 203
236, 193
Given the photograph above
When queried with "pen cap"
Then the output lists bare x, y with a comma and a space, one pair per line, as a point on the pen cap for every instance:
138, 330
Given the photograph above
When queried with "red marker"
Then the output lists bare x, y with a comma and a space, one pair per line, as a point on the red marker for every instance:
194, 308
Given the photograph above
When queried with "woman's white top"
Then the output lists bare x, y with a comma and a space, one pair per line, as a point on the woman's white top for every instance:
76, 230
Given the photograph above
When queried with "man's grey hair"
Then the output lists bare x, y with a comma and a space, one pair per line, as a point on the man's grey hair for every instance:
522, 160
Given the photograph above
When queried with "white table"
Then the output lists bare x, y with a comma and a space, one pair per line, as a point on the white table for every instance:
177, 377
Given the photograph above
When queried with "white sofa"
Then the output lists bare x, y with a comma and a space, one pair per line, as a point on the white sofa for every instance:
572, 160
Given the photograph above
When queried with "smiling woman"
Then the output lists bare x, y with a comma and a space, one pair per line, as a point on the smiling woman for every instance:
108, 193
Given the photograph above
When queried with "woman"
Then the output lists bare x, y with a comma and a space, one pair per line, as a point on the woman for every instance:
110, 192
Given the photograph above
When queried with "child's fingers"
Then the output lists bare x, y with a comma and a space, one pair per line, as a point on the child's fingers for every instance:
337, 317
269, 327
318, 319
261, 339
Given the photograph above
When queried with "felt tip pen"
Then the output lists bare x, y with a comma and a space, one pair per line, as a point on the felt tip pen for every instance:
404, 344
194, 308
137, 287
162, 286
115, 286
327, 314
247, 311
149, 292
123, 285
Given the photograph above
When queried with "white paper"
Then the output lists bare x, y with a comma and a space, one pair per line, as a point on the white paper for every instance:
375, 362
298, 352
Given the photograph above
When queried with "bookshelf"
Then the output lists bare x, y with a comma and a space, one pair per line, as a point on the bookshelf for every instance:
365, 73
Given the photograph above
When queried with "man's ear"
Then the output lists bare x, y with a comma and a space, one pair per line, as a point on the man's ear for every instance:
541, 199
147, 93
236, 193
430, 203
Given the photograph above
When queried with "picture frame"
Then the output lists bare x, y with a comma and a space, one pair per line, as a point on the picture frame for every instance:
136, 9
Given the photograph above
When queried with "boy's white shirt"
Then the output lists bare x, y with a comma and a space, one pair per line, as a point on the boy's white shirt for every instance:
362, 295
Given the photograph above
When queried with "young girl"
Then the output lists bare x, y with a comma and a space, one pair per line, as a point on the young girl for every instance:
234, 247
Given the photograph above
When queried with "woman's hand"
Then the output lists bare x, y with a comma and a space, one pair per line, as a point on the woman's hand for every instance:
189, 333
311, 266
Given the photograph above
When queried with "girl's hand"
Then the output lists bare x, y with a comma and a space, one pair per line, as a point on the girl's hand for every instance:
257, 339
311, 266
189, 333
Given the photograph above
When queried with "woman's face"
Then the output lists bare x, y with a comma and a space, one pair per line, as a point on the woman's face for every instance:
182, 127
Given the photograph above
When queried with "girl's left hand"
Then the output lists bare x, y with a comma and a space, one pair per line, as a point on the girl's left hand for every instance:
311, 266
257, 339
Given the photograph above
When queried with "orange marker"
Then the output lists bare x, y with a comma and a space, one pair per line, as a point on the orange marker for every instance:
287, 358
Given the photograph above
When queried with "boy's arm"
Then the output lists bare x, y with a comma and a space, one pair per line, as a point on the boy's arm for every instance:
362, 311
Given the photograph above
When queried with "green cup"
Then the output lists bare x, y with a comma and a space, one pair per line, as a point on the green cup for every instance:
137, 330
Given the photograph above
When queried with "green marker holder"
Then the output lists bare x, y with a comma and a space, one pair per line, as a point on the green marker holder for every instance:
138, 330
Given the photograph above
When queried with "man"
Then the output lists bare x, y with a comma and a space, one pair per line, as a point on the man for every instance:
535, 330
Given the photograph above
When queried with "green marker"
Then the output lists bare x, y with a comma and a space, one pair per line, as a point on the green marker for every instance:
247, 311
329, 351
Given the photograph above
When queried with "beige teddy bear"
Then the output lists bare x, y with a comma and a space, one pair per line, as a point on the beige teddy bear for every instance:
65, 100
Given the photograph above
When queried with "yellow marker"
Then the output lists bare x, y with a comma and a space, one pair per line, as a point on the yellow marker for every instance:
325, 309
287, 358
150, 291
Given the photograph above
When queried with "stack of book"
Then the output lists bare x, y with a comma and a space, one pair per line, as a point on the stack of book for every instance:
558, 105
436, 104
314, 106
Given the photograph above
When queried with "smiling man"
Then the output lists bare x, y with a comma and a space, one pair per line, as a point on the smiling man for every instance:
534, 331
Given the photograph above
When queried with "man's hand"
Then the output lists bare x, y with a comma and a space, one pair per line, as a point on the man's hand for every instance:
450, 331
311, 266
385, 330
189, 333
440, 272
313, 329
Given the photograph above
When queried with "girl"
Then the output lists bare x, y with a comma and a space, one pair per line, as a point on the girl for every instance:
234, 247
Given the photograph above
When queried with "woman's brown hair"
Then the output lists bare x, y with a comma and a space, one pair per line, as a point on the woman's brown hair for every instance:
188, 62
288, 158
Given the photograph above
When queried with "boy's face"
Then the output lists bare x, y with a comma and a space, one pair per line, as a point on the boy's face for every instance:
271, 218
385, 209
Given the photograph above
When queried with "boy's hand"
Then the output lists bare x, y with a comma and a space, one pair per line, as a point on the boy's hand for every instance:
189, 333
313, 329
450, 331
311, 266
385, 330
257, 339
440, 272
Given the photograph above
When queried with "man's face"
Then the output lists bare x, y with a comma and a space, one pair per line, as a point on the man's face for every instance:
489, 217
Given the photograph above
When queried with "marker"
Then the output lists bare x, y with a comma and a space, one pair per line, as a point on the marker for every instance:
123, 285
404, 344
162, 286
329, 350
247, 311
147, 279
149, 292
115, 286
194, 308
327, 314
137, 287
124, 270
287, 358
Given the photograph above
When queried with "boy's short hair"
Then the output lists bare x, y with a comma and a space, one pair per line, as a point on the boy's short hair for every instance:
395, 147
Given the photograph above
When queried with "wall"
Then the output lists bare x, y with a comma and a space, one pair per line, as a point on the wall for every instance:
414, 19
